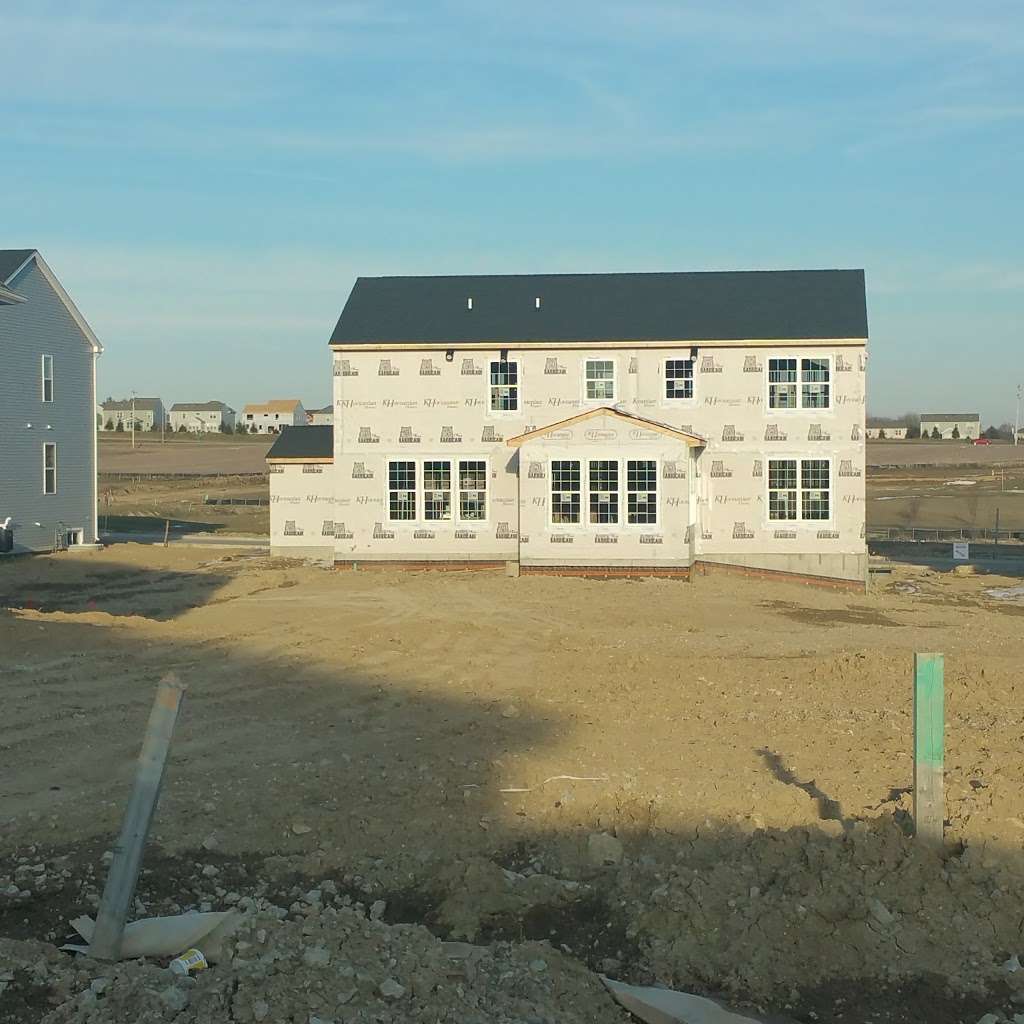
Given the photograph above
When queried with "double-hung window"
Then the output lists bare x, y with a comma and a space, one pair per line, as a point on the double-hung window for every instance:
47, 378
799, 383
504, 385
49, 467
641, 492
799, 489
678, 378
472, 490
437, 491
604, 491
433, 490
599, 378
402, 491
565, 491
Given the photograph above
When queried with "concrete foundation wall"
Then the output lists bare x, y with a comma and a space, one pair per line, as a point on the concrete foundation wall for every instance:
853, 567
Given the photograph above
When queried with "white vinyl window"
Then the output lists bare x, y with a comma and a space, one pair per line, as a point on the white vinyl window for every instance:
47, 376
49, 467
641, 492
504, 386
472, 490
678, 378
565, 491
803, 383
799, 489
402, 491
599, 377
437, 491
603, 480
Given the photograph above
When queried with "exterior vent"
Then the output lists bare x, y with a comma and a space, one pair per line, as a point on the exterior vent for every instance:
469, 303
536, 303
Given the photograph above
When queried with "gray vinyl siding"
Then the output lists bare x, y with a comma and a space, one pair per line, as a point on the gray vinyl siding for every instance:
41, 325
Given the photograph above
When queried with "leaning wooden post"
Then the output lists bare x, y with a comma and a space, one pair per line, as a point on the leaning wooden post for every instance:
127, 862
929, 729
167, 531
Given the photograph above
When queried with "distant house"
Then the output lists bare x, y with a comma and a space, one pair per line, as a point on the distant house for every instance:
148, 413
321, 417
202, 417
48, 392
951, 425
886, 431
270, 417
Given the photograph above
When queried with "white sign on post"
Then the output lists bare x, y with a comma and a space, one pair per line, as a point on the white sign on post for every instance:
961, 551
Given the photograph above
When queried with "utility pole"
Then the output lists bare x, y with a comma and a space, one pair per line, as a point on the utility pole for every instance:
1016, 425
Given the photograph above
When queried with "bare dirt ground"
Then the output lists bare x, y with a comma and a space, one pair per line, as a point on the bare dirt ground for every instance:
183, 454
700, 785
942, 453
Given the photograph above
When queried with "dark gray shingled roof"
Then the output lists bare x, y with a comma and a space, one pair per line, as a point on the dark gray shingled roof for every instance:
951, 417
303, 443
709, 306
10, 260
200, 407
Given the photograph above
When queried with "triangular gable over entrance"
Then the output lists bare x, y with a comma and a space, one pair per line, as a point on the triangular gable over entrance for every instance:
638, 423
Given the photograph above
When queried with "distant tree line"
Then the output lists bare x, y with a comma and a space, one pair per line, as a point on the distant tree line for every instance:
912, 421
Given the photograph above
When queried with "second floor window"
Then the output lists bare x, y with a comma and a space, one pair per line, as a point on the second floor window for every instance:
47, 378
600, 380
814, 383
781, 383
679, 378
504, 385
799, 383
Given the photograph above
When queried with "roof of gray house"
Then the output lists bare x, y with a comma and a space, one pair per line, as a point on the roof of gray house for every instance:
127, 404
951, 417
326, 408
688, 307
10, 260
303, 443
200, 407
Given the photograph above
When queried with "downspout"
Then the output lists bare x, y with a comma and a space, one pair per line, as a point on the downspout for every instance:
95, 455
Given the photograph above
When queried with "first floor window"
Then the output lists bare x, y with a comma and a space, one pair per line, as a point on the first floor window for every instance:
799, 489
401, 491
641, 491
437, 491
814, 383
782, 384
679, 378
565, 491
49, 468
604, 491
47, 378
472, 490
600, 380
504, 385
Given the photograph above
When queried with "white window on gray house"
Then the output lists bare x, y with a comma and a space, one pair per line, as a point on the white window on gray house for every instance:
47, 378
641, 492
472, 490
599, 375
401, 491
565, 491
782, 384
814, 383
679, 378
437, 491
504, 385
49, 467
807, 496
603, 480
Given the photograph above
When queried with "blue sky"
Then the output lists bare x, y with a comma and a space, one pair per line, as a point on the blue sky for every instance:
207, 179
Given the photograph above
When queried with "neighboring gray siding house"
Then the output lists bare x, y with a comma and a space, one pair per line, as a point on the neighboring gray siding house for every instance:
47, 410
590, 424
951, 425
148, 413
202, 417
321, 417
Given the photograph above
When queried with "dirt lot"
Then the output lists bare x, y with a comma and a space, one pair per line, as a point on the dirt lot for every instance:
702, 785
215, 453
942, 453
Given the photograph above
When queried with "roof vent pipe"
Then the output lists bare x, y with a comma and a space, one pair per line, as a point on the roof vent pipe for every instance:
536, 303
469, 303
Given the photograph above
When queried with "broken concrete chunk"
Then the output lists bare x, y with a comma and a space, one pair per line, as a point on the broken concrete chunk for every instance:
390, 989
604, 849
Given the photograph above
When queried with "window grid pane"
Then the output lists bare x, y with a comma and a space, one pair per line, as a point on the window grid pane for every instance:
504, 385
600, 379
604, 491
49, 468
401, 491
814, 489
782, 489
472, 490
565, 491
437, 491
641, 492
47, 378
679, 378
782, 393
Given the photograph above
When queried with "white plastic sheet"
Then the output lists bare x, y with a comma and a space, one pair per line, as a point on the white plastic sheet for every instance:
663, 1006
167, 936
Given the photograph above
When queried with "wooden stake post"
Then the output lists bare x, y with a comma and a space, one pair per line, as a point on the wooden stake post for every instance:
127, 862
929, 741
